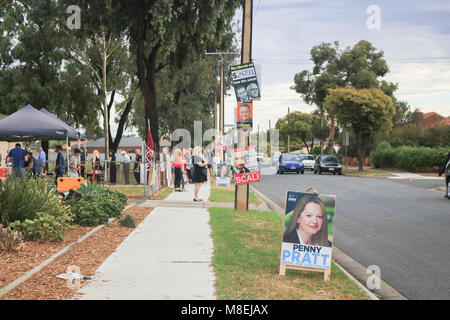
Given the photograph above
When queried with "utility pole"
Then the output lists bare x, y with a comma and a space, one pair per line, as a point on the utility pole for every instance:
222, 93
241, 191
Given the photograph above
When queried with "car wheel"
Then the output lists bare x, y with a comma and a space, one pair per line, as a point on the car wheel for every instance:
281, 172
303, 172
340, 173
314, 170
320, 171
334, 173
298, 172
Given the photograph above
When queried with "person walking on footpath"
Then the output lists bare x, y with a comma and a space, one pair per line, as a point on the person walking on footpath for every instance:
137, 166
41, 162
60, 165
177, 163
446, 169
200, 171
126, 166
18, 157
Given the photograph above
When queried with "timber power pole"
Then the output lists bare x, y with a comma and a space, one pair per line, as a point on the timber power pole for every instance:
241, 193
222, 94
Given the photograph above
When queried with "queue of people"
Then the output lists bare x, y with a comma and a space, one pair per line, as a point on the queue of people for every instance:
26, 163
190, 166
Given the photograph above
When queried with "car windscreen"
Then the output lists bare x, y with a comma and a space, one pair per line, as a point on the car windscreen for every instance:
329, 159
306, 158
289, 157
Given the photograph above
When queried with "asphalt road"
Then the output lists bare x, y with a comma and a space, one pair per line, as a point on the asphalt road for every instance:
398, 225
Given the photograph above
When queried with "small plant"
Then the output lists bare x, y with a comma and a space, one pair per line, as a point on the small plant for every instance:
127, 222
90, 188
10, 240
44, 228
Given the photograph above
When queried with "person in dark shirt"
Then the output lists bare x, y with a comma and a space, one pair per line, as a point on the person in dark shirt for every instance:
60, 164
19, 157
31, 166
83, 163
137, 166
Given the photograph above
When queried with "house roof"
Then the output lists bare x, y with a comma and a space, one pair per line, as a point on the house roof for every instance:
446, 121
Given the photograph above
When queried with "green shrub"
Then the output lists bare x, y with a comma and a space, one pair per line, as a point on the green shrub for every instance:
108, 202
97, 205
22, 199
44, 228
119, 195
127, 222
408, 158
88, 213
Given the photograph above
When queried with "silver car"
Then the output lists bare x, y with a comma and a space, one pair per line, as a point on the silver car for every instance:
307, 161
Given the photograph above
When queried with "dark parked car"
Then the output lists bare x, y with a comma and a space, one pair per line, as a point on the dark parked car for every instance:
290, 162
327, 163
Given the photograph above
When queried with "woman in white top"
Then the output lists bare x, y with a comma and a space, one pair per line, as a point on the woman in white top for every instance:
74, 162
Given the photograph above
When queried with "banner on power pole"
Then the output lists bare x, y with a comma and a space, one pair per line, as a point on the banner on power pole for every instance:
245, 165
244, 116
245, 82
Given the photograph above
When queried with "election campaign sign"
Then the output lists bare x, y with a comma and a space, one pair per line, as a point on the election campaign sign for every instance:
245, 165
244, 116
220, 142
3, 173
245, 82
223, 174
308, 231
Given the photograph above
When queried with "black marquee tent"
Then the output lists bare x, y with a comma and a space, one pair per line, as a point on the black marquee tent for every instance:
29, 123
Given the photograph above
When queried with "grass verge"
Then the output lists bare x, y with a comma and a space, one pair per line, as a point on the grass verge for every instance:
226, 194
369, 173
246, 255
137, 192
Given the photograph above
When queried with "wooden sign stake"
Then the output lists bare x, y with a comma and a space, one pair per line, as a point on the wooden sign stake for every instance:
284, 267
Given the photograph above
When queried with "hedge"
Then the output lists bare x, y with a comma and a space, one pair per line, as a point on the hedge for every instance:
408, 158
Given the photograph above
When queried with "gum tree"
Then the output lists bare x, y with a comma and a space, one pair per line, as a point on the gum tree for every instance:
360, 67
366, 111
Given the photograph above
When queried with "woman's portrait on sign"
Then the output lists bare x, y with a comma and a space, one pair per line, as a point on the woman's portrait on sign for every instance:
309, 219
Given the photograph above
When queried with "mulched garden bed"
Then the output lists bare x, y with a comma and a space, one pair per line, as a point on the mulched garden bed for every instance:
88, 256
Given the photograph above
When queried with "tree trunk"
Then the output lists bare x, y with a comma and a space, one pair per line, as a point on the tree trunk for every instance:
306, 145
123, 118
145, 72
360, 153
331, 137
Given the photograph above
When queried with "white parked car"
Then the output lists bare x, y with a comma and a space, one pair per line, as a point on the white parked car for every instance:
259, 157
307, 161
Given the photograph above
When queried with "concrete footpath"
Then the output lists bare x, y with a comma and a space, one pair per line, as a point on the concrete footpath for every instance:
167, 257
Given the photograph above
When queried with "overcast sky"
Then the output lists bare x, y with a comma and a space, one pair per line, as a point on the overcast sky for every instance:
415, 38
